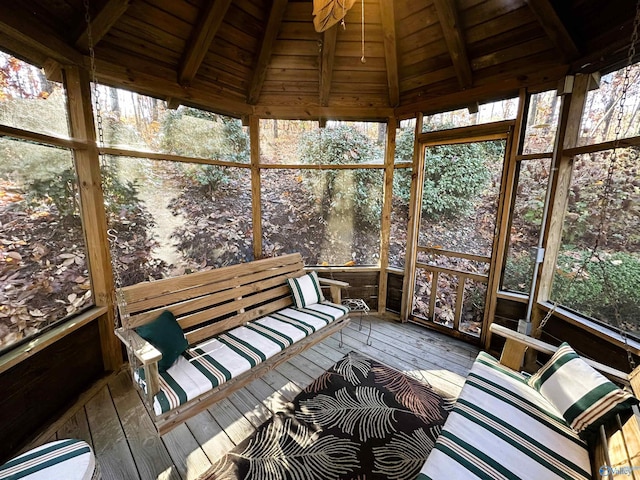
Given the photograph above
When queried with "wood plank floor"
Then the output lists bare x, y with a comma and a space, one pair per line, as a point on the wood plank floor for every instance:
111, 416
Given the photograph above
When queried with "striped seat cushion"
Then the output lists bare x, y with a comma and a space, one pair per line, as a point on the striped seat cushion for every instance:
500, 427
69, 459
214, 361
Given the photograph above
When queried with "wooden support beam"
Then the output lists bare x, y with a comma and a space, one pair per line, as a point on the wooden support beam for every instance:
264, 57
432, 103
202, 36
390, 50
385, 222
413, 226
173, 103
161, 82
93, 212
502, 236
329, 41
567, 137
554, 28
33, 35
52, 70
313, 112
102, 23
256, 198
451, 28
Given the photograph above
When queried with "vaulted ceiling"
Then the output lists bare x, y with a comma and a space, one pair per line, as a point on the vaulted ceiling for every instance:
264, 57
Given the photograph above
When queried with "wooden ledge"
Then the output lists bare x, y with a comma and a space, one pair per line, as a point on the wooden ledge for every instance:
40, 342
517, 343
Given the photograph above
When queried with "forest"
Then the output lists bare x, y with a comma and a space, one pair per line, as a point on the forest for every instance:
167, 218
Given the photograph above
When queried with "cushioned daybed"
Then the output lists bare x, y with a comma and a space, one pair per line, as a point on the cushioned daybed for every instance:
507, 425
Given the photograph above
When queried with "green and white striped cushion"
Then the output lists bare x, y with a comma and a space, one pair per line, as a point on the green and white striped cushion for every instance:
501, 428
69, 459
585, 397
306, 290
214, 361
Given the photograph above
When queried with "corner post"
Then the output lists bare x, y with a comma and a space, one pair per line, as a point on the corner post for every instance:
256, 199
385, 222
94, 224
413, 228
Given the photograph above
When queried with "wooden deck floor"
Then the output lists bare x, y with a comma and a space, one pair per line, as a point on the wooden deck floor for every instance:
111, 417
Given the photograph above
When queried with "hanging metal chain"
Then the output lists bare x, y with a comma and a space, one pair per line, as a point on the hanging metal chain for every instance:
120, 312
608, 190
605, 200
363, 59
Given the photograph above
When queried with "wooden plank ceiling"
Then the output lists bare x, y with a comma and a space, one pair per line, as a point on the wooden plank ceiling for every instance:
244, 57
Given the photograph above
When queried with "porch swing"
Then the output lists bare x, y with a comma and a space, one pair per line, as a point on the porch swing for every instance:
193, 340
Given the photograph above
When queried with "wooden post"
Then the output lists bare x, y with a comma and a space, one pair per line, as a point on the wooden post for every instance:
567, 137
413, 227
256, 199
92, 209
503, 217
385, 222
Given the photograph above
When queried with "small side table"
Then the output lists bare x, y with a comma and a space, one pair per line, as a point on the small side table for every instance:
358, 305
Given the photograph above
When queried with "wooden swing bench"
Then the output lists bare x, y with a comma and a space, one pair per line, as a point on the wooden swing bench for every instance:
220, 312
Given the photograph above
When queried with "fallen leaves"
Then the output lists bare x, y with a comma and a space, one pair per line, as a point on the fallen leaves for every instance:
43, 273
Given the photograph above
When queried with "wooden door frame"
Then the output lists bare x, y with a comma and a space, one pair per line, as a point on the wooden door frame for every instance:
503, 130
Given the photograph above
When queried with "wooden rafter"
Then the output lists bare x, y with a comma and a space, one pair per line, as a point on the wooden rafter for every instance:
390, 50
271, 32
329, 41
201, 38
554, 28
450, 23
102, 22
33, 39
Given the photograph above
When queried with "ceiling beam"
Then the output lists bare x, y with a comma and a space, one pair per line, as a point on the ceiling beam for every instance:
450, 24
202, 36
554, 28
491, 91
25, 35
329, 40
390, 50
102, 23
264, 57
159, 81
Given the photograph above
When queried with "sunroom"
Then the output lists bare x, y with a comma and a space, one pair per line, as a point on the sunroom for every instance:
454, 169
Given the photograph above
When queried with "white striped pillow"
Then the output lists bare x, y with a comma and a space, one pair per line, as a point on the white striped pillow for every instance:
585, 397
306, 290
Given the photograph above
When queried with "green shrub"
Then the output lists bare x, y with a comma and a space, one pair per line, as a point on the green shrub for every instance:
58, 190
601, 287
455, 175
342, 190
192, 132
518, 272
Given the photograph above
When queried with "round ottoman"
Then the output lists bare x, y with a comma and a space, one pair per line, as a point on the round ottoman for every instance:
61, 460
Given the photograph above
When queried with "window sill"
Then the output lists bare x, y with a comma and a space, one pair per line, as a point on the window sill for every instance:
513, 296
601, 331
40, 342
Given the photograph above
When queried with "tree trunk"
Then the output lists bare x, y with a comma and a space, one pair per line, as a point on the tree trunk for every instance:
382, 133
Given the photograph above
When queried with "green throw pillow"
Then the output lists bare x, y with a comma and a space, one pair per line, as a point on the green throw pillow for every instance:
584, 396
165, 334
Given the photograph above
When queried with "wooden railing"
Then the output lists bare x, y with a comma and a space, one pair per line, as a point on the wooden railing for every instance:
460, 275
